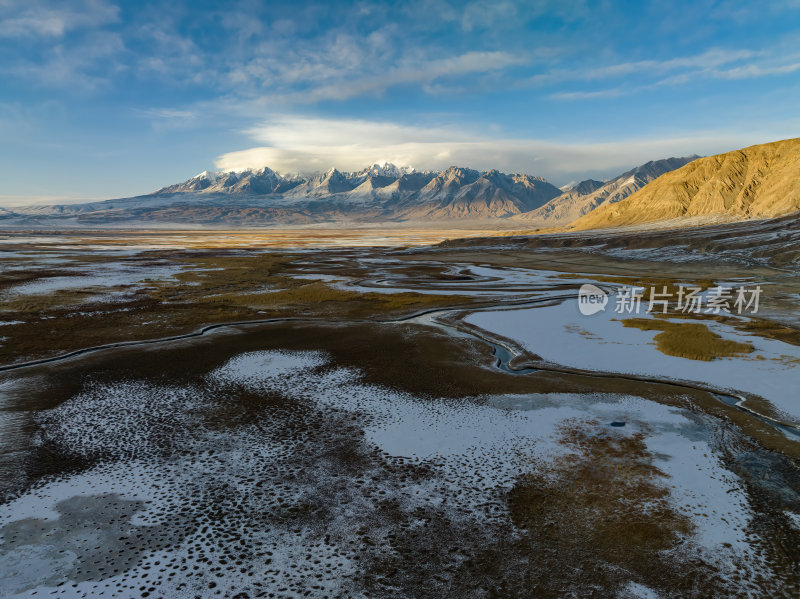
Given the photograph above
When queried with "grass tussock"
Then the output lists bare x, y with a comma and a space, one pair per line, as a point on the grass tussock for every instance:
689, 340
228, 275
318, 293
603, 508
36, 304
772, 330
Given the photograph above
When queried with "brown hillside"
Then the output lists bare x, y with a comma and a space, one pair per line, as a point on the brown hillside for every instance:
757, 182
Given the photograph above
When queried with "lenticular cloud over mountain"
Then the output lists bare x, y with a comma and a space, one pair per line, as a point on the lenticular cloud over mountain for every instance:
294, 144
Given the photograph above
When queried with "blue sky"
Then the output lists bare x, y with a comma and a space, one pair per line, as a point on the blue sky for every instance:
106, 99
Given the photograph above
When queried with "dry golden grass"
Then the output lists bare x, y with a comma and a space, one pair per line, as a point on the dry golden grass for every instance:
208, 276
689, 340
320, 295
759, 327
604, 506
755, 182
772, 330
37, 304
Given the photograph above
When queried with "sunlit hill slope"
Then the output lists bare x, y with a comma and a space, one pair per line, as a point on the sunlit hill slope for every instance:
761, 181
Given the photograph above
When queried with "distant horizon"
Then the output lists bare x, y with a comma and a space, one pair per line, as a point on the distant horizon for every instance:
20, 200
8, 201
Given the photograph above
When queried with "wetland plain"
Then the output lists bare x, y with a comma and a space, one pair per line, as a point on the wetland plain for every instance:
247, 416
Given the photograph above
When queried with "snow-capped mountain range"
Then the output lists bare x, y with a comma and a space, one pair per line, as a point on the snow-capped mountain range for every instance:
378, 193
265, 181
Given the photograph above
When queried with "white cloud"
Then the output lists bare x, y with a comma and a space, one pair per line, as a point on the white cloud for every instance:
423, 73
614, 92
751, 71
344, 70
73, 66
705, 65
483, 14
704, 61
302, 144
54, 19
171, 114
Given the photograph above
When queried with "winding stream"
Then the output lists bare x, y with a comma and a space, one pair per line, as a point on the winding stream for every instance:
436, 318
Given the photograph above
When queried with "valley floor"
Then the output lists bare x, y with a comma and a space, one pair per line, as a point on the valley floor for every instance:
239, 416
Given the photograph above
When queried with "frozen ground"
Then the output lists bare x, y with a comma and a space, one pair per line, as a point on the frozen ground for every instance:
105, 275
562, 335
175, 490
479, 281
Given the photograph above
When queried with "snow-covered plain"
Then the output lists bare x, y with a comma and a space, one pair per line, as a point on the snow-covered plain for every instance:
172, 489
562, 335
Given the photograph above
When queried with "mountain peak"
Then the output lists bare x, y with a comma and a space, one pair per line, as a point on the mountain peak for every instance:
384, 169
585, 187
459, 172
